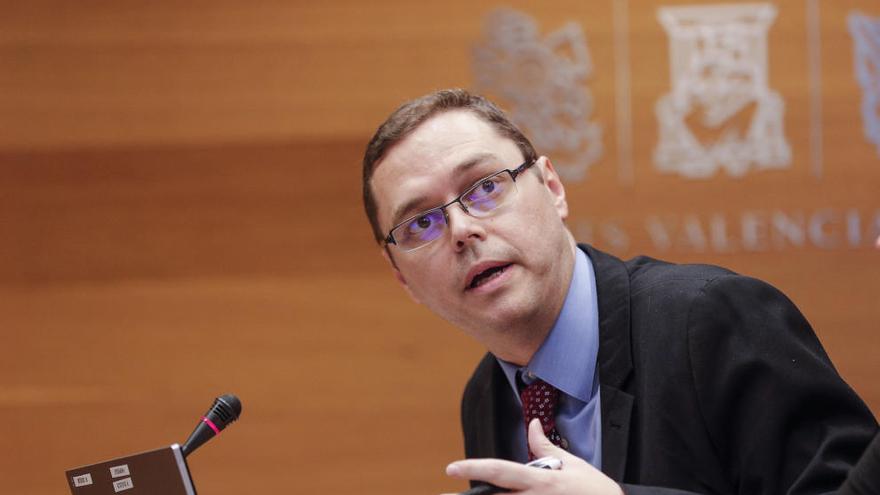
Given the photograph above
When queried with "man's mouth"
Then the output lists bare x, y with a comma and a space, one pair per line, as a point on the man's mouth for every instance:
487, 275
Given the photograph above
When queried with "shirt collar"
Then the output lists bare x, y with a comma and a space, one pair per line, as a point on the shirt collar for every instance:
567, 357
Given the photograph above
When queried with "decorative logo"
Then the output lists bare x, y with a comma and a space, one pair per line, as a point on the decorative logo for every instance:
543, 82
720, 113
865, 32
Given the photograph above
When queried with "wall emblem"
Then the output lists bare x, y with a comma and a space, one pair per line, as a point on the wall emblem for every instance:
865, 32
720, 113
542, 82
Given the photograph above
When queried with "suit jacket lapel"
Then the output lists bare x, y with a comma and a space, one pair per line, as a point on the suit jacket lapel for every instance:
616, 415
615, 358
493, 415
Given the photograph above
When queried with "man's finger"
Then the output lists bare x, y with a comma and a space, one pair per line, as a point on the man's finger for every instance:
541, 446
501, 473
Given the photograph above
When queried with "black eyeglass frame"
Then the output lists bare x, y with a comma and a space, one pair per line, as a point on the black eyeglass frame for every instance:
513, 175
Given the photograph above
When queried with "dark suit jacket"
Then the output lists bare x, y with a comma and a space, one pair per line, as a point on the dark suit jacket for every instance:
864, 479
710, 382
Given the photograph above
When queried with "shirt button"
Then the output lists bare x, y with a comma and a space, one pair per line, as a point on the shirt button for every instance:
530, 375
563, 443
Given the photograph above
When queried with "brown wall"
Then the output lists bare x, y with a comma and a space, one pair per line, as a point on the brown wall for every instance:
180, 217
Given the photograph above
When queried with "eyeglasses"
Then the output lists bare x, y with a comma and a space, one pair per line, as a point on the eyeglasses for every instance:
477, 201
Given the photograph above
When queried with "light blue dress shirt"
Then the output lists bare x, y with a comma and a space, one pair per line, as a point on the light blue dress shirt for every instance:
567, 360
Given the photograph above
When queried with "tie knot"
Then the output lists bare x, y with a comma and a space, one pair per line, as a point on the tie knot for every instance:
539, 400
539, 395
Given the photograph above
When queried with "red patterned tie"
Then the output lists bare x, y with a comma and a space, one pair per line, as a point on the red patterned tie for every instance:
539, 400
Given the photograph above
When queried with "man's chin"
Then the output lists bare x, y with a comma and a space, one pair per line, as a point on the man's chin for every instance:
502, 314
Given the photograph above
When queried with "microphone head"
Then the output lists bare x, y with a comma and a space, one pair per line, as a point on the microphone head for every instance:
225, 410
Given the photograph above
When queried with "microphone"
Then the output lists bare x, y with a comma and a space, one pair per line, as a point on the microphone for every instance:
224, 411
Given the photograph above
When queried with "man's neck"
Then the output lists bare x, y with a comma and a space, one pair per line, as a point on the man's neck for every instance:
520, 352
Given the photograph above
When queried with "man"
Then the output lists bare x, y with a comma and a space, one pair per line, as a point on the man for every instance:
652, 377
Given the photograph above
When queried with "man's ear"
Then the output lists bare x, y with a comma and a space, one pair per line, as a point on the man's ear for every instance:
555, 187
397, 275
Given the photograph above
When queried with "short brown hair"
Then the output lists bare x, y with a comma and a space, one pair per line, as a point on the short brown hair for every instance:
412, 114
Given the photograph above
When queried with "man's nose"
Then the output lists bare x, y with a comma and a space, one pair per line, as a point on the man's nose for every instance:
463, 228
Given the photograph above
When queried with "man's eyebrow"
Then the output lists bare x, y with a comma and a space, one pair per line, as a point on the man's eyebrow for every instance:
402, 211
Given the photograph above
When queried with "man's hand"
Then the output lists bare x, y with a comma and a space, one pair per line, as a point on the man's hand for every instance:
576, 477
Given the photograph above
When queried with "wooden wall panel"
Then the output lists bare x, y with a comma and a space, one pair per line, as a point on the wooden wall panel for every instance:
141, 72
157, 212
180, 217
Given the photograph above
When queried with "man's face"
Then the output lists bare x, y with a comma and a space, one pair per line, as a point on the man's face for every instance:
501, 278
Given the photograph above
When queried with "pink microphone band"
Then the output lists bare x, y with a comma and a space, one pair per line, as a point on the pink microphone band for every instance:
211, 424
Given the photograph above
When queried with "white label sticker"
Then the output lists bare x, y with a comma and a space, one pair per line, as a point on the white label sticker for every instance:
117, 471
82, 480
123, 484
